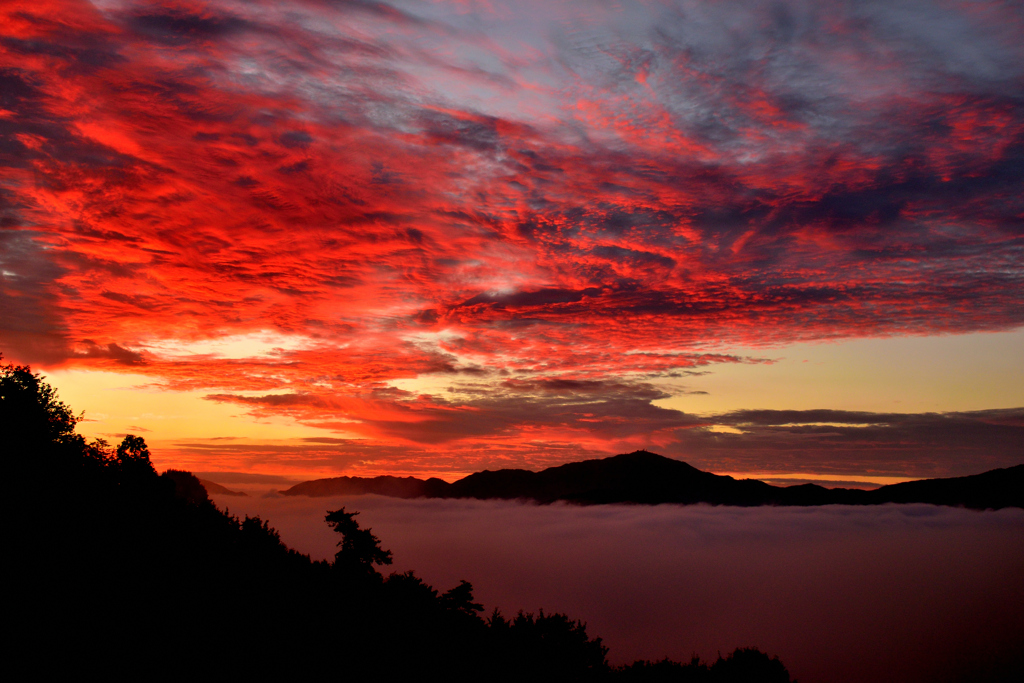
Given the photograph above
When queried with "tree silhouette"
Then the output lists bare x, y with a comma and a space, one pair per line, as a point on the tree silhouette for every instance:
31, 413
132, 456
749, 665
460, 600
187, 487
359, 550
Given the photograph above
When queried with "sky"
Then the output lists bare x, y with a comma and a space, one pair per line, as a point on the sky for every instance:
321, 237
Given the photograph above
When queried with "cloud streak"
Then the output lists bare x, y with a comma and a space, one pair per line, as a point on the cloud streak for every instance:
426, 436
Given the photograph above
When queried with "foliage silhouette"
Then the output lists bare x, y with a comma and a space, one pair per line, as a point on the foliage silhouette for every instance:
133, 455
31, 411
124, 573
744, 665
359, 550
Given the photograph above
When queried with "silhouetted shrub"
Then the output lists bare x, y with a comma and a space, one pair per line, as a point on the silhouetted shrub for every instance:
748, 665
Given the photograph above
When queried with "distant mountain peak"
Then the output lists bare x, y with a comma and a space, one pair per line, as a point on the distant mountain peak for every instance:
647, 478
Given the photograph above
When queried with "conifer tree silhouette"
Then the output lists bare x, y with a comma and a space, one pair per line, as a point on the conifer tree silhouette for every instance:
359, 550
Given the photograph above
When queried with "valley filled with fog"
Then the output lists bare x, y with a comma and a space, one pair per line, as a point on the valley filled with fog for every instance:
887, 593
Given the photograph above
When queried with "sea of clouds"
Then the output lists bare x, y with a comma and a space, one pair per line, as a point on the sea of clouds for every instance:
888, 593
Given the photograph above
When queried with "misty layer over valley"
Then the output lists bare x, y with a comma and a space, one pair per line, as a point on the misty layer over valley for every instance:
841, 593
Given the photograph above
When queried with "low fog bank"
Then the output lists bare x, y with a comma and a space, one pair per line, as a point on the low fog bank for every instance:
888, 593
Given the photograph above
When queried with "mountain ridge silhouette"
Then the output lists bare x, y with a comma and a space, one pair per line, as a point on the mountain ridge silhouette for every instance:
646, 478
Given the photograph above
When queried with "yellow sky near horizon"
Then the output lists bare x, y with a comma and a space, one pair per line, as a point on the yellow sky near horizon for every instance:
899, 375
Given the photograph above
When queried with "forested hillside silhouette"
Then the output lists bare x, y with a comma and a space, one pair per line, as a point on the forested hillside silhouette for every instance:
126, 573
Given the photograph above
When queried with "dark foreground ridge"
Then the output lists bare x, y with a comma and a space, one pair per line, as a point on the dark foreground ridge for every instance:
120, 573
217, 489
650, 479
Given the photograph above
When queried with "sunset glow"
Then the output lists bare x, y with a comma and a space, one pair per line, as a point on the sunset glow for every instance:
314, 238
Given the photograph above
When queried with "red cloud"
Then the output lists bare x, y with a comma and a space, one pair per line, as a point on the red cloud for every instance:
174, 173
